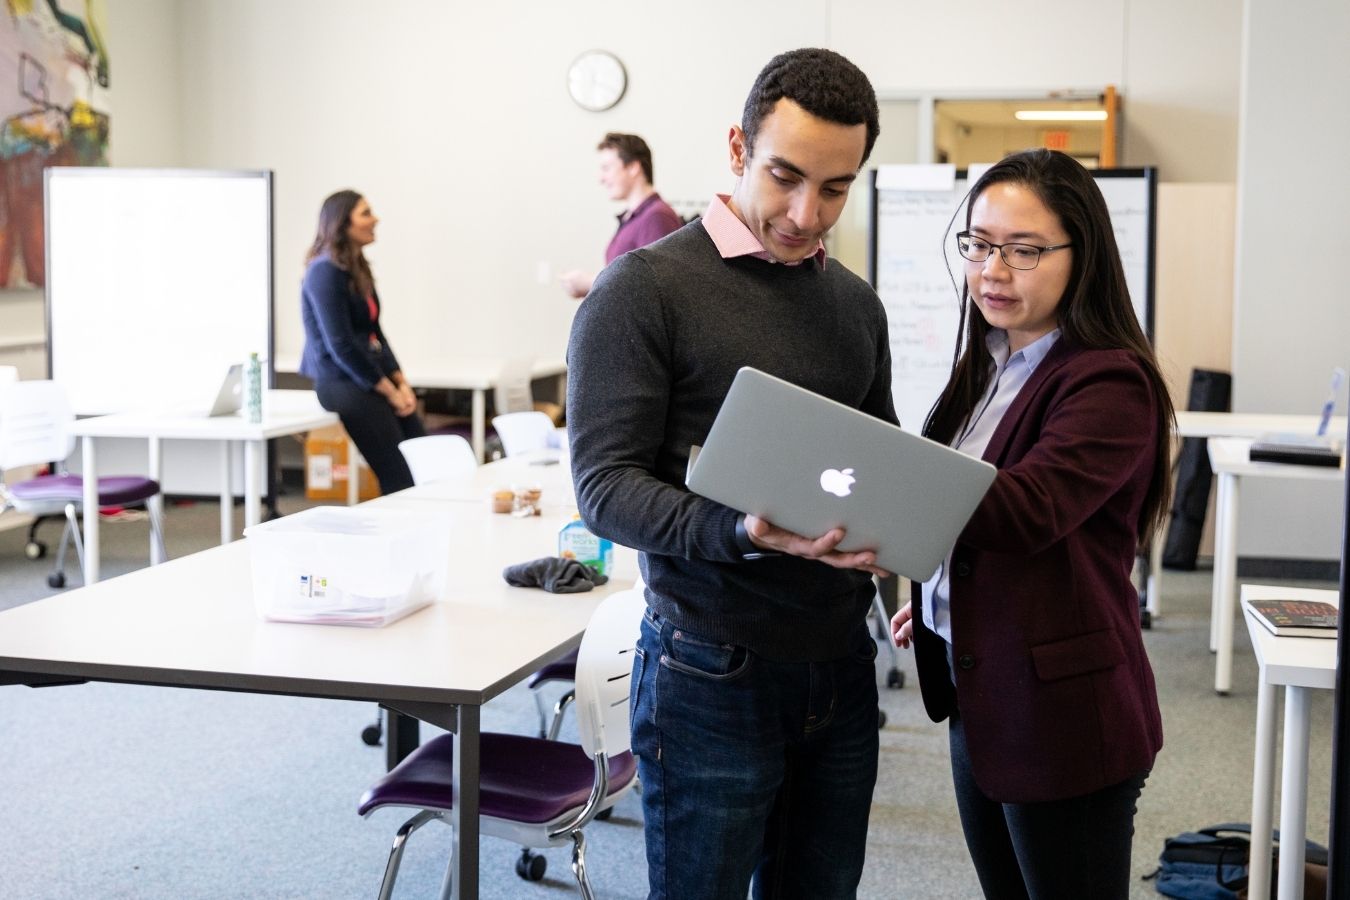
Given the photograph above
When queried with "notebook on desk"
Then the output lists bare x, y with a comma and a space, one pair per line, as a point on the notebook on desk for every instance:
809, 464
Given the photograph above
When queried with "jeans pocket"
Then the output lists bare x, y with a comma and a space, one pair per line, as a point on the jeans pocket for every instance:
701, 658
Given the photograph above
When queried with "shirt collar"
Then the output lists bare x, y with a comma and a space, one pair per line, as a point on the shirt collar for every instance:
1032, 354
732, 238
629, 214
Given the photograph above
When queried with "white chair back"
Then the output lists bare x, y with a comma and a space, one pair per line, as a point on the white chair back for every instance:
604, 673
522, 432
513, 393
35, 419
438, 457
8, 375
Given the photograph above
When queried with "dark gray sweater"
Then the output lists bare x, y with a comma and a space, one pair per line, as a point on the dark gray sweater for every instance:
653, 350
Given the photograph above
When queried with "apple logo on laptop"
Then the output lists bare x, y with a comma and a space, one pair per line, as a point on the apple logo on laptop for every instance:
839, 483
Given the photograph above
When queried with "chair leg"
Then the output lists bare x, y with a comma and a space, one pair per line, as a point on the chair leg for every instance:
579, 865
74, 524
156, 533
396, 852
543, 718
558, 712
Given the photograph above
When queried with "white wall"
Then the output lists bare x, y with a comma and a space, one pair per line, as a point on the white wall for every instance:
1291, 318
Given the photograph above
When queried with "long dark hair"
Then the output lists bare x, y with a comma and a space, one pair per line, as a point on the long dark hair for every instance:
331, 240
1095, 311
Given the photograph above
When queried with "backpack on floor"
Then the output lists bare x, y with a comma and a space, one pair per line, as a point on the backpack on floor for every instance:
1211, 864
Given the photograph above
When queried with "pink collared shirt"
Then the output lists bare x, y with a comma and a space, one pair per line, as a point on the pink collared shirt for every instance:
732, 238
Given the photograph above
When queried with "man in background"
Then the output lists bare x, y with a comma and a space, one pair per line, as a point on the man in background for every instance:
626, 174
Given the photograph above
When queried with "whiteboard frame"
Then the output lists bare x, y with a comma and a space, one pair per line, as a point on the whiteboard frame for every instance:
54, 341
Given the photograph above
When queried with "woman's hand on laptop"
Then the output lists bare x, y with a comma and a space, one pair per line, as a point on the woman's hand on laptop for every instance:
768, 536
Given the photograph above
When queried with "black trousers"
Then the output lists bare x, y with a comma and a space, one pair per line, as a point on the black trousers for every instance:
374, 428
1059, 850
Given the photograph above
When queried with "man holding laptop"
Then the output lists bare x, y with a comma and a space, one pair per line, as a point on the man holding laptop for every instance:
755, 703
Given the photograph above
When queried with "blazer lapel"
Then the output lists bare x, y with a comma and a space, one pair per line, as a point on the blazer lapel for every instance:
1059, 354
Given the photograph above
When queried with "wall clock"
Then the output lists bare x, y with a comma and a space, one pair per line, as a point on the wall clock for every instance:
597, 80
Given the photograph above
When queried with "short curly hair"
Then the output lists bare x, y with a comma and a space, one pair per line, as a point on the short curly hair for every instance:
820, 81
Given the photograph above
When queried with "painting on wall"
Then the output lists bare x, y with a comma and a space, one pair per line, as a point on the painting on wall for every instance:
53, 112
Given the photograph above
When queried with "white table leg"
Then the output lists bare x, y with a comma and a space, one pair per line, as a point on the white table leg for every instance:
479, 425
463, 873
1153, 586
1224, 600
1263, 790
226, 495
252, 482
90, 475
1294, 793
353, 473
156, 503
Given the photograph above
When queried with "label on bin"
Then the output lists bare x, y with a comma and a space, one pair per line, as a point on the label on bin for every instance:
313, 586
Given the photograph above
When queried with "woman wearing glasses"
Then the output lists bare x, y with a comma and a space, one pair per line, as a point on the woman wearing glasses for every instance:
1027, 639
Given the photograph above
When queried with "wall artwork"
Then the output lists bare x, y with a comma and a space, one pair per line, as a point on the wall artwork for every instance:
53, 112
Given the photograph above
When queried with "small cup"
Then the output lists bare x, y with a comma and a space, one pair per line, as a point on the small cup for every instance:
503, 501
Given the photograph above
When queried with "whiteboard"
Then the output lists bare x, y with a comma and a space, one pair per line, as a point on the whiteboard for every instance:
915, 269
158, 280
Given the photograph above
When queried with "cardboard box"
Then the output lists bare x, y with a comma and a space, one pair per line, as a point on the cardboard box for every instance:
326, 467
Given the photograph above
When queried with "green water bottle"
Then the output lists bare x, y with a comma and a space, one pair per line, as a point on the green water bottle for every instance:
253, 388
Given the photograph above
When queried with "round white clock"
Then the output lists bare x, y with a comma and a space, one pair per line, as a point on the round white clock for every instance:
597, 80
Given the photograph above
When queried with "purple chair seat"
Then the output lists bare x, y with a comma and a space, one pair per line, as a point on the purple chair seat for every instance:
564, 669
523, 779
115, 490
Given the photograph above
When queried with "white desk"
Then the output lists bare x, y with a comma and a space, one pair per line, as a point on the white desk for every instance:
284, 412
479, 375
1223, 424
1300, 664
1228, 457
191, 623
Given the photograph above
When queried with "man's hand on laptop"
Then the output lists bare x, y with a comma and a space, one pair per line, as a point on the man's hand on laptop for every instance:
768, 536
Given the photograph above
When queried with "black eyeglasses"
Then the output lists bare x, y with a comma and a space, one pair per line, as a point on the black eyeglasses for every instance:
1017, 256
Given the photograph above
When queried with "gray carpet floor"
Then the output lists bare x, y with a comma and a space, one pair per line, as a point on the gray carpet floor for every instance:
115, 791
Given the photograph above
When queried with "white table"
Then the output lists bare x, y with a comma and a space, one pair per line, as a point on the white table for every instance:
479, 375
284, 412
1301, 665
1225, 424
191, 623
1228, 458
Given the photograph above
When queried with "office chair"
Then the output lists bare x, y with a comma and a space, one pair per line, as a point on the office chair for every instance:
523, 432
34, 420
438, 457
536, 792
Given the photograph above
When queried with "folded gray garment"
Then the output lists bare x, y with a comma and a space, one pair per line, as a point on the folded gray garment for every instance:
554, 574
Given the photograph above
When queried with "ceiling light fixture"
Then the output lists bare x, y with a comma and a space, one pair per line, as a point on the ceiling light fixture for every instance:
1060, 115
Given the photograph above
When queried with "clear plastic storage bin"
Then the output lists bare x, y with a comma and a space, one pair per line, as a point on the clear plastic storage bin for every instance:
348, 566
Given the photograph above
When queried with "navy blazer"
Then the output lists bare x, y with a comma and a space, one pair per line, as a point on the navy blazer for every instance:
1054, 689
338, 327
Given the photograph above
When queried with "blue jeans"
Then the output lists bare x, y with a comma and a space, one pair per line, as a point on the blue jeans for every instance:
752, 767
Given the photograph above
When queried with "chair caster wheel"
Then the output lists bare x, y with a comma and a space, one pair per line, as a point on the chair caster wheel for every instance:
895, 679
881, 719
56, 580
605, 814
531, 866
371, 734
35, 550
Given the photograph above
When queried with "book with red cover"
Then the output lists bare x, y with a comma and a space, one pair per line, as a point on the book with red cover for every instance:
1296, 618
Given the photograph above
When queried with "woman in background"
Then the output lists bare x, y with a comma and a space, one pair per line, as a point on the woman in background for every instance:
355, 372
1028, 638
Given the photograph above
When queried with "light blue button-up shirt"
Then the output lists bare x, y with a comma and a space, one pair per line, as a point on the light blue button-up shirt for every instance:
1011, 372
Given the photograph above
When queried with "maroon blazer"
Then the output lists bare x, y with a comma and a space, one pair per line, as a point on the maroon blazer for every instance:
1054, 688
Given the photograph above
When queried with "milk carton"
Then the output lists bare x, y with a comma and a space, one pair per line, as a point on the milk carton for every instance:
575, 541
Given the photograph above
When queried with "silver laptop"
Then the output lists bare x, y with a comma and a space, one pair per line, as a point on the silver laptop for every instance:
809, 464
230, 397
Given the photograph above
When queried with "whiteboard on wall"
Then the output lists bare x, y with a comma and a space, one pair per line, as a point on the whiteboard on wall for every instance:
915, 269
158, 280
